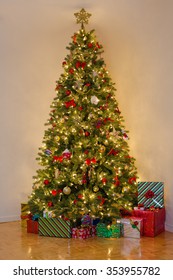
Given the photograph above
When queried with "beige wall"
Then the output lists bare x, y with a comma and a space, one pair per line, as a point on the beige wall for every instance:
138, 43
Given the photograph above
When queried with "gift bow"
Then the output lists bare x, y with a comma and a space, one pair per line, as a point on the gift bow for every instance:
134, 224
70, 103
150, 194
88, 161
58, 158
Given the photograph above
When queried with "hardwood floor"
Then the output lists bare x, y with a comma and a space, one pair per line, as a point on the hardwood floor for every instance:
17, 244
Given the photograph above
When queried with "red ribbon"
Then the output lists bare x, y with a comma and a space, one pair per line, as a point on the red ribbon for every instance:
88, 161
70, 103
58, 158
80, 64
149, 194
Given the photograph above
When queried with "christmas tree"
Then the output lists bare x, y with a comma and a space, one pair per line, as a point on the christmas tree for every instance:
85, 162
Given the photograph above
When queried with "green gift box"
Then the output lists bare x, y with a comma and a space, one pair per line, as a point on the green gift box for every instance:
54, 227
114, 231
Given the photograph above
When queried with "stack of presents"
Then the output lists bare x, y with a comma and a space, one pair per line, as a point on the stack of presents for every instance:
146, 219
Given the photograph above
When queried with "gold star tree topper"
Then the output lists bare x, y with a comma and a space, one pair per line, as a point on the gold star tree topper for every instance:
82, 17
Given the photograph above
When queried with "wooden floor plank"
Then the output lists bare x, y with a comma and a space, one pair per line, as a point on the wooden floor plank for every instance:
17, 244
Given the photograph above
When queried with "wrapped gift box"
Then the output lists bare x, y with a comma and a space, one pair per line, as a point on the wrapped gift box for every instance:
25, 214
54, 227
95, 221
153, 220
114, 230
151, 194
32, 226
83, 233
132, 227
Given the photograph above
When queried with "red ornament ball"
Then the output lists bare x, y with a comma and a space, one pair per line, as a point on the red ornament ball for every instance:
132, 180
71, 71
87, 84
50, 204
90, 45
46, 182
87, 133
54, 192
104, 180
80, 108
68, 92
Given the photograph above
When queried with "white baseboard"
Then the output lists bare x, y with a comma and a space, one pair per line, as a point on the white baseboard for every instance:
9, 219
168, 227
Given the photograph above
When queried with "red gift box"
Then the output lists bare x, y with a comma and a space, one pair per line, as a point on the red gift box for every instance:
153, 220
83, 233
32, 226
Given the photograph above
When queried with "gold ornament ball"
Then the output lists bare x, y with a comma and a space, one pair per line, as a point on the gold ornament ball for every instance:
66, 190
95, 189
102, 149
57, 138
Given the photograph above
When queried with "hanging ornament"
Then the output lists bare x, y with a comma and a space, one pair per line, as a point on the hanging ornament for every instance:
80, 108
66, 190
99, 123
58, 87
116, 181
84, 179
74, 37
68, 92
94, 100
54, 192
78, 64
87, 84
132, 180
95, 74
95, 189
114, 133
50, 204
104, 181
78, 84
125, 136
103, 201
125, 189
48, 152
66, 154
71, 71
46, 182
117, 110
87, 133
60, 191
102, 149
57, 138
90, 45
